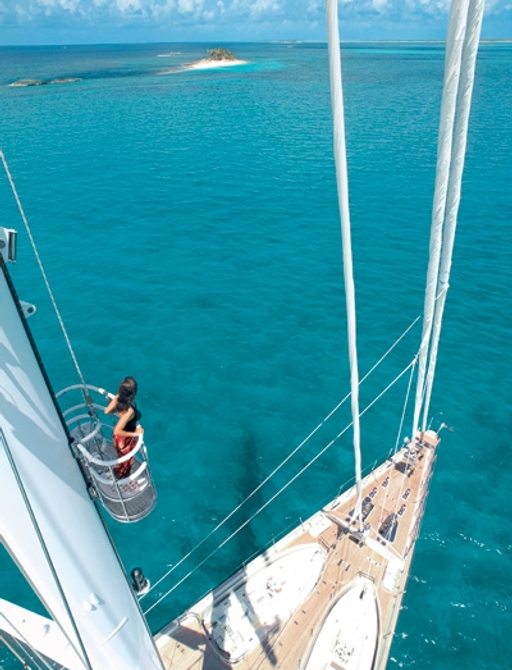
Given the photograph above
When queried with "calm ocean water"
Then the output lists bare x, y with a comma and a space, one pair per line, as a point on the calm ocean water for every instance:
189, 228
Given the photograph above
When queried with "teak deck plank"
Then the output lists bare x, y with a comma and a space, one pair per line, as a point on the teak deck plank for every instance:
189, 644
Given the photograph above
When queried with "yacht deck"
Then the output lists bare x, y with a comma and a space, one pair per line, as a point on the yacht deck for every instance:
325, 596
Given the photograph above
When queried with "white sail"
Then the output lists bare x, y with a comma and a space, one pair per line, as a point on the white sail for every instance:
48, 522
454, 47
340, 160
465, 90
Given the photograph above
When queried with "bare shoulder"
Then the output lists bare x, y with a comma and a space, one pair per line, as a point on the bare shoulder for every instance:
128, 412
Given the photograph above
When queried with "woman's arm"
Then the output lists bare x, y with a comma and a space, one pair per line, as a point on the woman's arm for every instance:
124, 417
111, 407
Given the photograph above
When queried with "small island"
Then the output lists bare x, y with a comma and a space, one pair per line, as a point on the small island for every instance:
218, 57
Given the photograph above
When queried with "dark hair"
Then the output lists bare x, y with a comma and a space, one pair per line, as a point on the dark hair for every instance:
126, 393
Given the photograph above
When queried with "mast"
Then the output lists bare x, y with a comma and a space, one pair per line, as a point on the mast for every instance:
48, 522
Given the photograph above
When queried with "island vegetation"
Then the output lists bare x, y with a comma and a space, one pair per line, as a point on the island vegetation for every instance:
221, 54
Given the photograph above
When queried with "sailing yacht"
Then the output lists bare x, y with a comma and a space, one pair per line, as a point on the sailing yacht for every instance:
327, 595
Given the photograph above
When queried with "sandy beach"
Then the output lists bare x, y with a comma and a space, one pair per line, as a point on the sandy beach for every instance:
210, 63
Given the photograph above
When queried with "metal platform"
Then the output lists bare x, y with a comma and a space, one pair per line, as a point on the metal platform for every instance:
128, 498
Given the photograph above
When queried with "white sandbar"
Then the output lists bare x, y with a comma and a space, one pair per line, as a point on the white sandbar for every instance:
210, 64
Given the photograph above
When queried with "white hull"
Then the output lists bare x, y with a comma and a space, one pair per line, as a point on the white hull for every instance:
323, 597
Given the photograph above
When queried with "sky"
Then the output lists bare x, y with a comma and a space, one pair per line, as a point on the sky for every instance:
123, 21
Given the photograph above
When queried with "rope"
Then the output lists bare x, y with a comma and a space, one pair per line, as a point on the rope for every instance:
383, 508
404, 408
41, 268
278, 493
424, 342
340, 160
293, 524
282, 463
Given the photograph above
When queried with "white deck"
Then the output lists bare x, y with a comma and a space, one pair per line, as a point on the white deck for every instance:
348, 637
266, 599
322, 598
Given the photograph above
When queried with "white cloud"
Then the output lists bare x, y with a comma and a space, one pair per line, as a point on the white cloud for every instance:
380, 5
164, 10
255, 8
190, 6
196, 13
69, 6
129, 6
315, 6
261, 7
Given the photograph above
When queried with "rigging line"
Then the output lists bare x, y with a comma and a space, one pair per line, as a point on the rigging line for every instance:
406, 402
41, 267
468, 66
403, 482
367, 470
420, 393
278, 493
383, 507
454, 41
340, 161
293, 524
283, 462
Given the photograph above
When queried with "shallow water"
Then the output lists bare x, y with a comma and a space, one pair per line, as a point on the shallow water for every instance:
188, 226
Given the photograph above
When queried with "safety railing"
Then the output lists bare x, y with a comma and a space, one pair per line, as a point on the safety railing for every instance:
122, 482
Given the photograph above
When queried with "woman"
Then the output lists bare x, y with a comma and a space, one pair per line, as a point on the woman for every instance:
127, 428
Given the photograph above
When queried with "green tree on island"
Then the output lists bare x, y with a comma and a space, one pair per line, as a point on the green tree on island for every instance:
221, 54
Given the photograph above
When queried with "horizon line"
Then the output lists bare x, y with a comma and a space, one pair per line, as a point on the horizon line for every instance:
484, 40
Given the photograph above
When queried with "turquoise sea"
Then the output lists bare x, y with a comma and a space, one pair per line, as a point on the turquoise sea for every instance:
188, 225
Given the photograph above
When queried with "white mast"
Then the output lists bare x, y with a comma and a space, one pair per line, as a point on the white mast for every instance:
340, 159
49, 523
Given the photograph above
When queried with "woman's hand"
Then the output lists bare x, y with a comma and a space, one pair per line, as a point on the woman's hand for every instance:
112, 405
